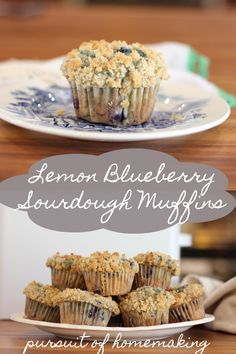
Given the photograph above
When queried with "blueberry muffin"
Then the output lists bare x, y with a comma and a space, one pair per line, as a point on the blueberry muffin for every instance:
109, 273
40, 304
65, 271
188, 305
114, 83
85, 308
146, 306
155, 269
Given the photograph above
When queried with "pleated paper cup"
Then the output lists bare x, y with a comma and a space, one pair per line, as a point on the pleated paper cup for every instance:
135, 319
63, 278
193, 310
150, 275
103, 105
84, 313
109, 283
35, 310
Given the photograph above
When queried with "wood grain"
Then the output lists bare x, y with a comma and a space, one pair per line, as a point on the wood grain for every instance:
14, 336
210, 31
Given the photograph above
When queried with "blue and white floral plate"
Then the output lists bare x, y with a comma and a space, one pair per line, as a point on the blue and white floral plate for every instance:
41, 101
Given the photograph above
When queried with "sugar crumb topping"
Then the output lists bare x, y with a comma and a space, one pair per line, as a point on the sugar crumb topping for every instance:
159, 259
187, 293
108, 262
77, 295
147, 299
114, 64
69, 262
44, 294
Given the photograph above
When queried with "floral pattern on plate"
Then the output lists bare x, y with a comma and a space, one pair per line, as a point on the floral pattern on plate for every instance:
53, 107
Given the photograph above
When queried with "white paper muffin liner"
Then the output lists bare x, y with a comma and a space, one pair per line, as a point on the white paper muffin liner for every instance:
63, 278
35, 310
135, 319
190, 311
153, 276
109, 283
103, 105
84, 313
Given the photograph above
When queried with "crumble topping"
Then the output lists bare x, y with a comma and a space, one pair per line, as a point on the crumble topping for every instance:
108, 262
42, 293
68, 262
114, 64
77, 295
147, 299
159, 259
187, 293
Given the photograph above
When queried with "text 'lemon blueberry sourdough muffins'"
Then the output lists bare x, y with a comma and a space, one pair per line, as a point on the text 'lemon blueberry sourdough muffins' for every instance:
65, 271
40, 304
146, 306
155, 269
85, 308
188, 305
109, 273
114, 83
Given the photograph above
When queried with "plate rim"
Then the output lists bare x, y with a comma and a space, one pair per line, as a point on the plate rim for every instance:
19, 317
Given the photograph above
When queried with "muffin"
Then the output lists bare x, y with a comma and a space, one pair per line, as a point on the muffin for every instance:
109, 273
65, 271
146, 306
155, 269
85, 308
114, 83
39, 303
188, 305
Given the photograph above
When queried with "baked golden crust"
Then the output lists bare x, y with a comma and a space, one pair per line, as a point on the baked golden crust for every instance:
77, 295
114, 64
147, 299
160, 260
108, 262
187, 293
44, 294
68, 262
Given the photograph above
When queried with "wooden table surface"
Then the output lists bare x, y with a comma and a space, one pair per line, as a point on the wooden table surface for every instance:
14, 337
211, 31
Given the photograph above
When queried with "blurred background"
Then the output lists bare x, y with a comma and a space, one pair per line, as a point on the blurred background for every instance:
35, 7
213, 250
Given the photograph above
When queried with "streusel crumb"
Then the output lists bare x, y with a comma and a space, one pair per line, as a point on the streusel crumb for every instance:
69, 262
114, 64
187, 293
147, 299
109, 262
77, 295
44, 294
159, 259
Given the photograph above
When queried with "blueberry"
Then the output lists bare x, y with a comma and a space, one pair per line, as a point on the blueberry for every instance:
125, 50
141, 53
92, 312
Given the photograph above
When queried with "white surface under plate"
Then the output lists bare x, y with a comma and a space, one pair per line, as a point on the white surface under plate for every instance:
186, 104
131, 333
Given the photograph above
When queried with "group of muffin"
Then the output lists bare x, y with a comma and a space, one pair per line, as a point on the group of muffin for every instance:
111, 289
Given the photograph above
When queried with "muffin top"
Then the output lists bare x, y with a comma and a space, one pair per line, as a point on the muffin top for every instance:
77, 295
68, 262
108, 262
114, 64
147, 299
159, 259
186, 293
44, 294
